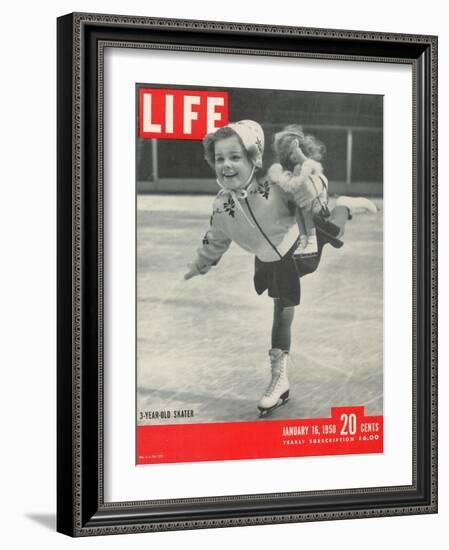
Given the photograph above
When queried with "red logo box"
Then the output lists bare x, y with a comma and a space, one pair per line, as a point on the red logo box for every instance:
181, 114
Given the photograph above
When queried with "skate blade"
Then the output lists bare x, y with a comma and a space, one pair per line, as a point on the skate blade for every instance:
306, 255
266, 412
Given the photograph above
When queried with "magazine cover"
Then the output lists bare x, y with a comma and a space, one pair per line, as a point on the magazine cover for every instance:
259, 273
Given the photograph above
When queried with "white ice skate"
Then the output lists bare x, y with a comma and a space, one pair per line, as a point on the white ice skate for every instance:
308, 246
278, 389
357, 205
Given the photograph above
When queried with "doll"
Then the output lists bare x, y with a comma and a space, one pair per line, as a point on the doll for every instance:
299, 172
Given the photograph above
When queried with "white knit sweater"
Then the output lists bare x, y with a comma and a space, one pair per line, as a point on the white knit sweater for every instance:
274, 210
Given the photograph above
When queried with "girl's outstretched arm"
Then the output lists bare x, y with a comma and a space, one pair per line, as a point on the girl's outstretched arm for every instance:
215, 244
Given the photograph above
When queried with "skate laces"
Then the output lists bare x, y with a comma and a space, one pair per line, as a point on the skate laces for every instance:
276, 374
275, 379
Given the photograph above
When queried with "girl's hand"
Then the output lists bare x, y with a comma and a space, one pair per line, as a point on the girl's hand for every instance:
193, 272
310, 194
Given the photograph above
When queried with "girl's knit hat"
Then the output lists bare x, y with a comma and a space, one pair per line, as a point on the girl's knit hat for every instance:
251, 134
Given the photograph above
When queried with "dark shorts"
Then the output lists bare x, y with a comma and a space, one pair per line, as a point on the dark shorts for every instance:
282, 278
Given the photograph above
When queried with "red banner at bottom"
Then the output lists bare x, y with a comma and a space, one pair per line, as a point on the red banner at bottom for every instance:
347, 431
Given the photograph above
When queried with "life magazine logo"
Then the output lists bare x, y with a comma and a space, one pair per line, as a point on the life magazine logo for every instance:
181, 114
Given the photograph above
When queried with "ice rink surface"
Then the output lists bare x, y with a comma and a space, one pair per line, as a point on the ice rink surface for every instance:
203, 344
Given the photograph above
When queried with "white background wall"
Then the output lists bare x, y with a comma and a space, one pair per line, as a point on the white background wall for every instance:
28, 283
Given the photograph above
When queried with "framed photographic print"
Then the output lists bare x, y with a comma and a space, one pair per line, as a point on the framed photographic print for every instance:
247, 288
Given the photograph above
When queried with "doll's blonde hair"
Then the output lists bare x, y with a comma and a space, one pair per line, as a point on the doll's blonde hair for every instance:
312, 147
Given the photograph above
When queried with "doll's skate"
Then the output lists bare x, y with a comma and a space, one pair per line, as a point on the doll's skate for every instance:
277, 392
307, 248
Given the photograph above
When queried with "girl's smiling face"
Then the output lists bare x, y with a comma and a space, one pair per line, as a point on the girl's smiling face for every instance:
232, 166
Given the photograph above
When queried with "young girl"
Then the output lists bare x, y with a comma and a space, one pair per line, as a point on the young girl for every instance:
259, 216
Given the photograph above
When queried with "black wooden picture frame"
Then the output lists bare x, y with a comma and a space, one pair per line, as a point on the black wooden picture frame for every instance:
81, 509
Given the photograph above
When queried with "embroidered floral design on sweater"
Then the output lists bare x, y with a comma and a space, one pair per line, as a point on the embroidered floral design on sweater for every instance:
263, 187
229, 207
